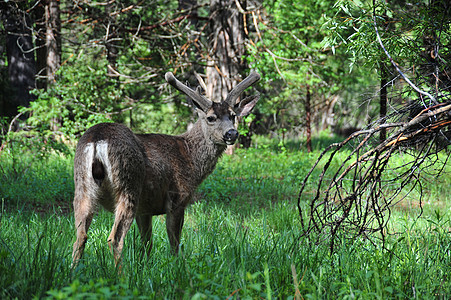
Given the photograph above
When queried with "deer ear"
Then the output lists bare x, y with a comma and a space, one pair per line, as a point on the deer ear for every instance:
246, 105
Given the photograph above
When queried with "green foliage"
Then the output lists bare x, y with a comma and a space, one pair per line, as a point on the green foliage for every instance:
294, 60
328, 46
414, 36
403, 30
160, 117
100, 289
84, 95
94, 86
29, 179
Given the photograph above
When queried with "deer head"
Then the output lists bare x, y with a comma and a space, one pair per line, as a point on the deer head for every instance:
218, 118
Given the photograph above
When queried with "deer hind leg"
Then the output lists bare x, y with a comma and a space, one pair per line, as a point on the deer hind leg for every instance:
144, 223
123, 219
83, 212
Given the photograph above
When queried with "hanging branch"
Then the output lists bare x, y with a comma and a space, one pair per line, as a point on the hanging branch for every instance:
394, 63
355, 198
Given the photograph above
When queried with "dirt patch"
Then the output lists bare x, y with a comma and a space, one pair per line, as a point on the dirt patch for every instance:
56, 207
409, 205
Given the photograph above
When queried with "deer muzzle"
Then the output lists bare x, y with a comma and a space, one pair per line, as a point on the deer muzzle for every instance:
231, 136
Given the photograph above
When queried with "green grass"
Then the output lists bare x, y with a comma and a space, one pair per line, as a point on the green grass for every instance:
30, 179
240, 240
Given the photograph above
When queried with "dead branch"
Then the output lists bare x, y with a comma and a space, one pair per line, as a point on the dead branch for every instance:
355, 198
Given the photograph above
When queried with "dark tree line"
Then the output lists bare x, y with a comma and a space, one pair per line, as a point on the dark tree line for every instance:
32, 32
40, 34
92, 61
19, 48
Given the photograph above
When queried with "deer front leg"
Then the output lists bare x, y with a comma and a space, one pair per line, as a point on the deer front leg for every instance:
124, 214
144, 223
174, 224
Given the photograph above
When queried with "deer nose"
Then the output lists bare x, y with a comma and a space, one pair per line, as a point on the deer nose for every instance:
231, 136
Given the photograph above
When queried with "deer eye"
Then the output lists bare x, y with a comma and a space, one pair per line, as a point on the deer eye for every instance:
211, 118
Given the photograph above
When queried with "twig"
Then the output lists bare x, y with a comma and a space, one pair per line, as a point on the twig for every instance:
433, 100
356, 200
9, 130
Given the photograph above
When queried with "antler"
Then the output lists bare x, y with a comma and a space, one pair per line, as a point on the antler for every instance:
202, 101
236, 91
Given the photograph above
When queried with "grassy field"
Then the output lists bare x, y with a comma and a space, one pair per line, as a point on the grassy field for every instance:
241, 239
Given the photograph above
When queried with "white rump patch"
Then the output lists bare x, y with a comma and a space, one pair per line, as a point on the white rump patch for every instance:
89, 155
102, 155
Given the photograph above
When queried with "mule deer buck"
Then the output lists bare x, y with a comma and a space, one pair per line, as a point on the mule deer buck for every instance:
138, 176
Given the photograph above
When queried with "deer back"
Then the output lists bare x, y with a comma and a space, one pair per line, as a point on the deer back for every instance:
109, 160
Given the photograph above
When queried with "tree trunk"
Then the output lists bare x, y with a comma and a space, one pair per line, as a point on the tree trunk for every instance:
190, 8
53, 46
308, 120
111, 41
20, 56
53, 38
383, 101
226, 48
40, 27
226, 43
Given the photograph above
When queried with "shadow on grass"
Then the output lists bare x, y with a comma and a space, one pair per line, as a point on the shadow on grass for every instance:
319, 142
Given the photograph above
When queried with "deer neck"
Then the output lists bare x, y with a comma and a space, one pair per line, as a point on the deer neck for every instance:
204, 152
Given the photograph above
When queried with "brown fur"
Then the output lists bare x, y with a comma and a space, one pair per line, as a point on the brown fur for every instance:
142, 175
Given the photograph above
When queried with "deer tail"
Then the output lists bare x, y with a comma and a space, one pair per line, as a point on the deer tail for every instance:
98, 168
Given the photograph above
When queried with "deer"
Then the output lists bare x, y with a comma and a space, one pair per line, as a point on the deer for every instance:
138, 176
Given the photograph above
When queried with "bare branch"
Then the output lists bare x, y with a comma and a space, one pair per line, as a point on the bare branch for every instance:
356, 198
433, 100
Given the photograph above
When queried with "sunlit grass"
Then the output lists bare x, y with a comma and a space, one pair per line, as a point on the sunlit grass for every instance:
222, 254
241, 239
